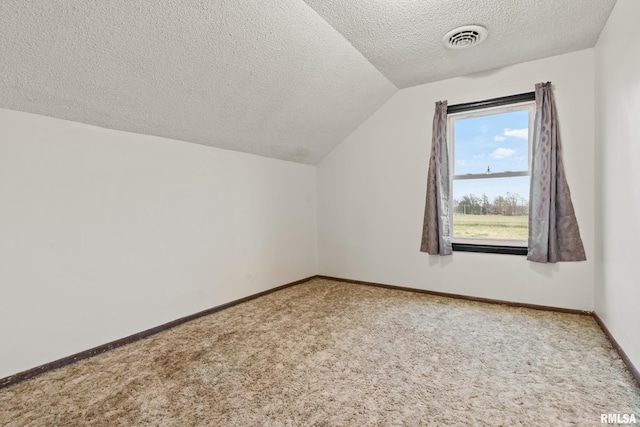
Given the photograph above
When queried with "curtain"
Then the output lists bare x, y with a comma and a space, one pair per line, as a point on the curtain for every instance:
436, 229
553, 229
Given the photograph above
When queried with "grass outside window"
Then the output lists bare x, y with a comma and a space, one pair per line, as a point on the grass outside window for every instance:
491, 226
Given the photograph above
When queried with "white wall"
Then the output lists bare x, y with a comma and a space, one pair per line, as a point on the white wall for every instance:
105, 233
371, 192
618, 175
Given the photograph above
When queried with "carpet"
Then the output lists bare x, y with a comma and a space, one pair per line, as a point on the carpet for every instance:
327, 353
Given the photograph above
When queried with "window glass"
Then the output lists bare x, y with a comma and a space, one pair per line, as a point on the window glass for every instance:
495, 208
490, 188
492, 143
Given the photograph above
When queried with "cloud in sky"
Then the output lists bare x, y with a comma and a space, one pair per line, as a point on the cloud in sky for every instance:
501, 153
499, 138
517, 133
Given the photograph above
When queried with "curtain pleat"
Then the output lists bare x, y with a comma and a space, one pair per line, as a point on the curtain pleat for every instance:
554, 235
436, 229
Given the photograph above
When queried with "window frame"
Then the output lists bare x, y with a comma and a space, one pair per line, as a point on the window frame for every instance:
488, 107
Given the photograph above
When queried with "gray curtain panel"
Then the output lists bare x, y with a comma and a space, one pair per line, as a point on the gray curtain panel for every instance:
436, 229
553, 229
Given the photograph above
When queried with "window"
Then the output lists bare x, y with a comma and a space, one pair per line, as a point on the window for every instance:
490, 146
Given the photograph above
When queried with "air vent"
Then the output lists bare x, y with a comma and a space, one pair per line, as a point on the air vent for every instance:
464, 37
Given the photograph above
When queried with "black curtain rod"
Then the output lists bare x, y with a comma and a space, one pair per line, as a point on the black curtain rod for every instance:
495, 102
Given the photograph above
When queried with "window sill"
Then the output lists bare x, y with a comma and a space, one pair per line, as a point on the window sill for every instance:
490, 249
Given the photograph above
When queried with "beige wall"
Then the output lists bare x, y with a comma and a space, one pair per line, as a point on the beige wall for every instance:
617, 291
371, 192
104, 233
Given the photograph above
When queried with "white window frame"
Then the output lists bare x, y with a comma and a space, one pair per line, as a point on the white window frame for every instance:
488, 111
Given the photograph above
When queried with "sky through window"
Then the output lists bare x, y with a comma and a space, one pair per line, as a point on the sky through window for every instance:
492, 144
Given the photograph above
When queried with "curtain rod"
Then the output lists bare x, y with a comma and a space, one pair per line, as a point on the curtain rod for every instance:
494, 102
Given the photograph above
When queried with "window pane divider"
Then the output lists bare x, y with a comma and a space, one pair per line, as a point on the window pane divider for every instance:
491, 175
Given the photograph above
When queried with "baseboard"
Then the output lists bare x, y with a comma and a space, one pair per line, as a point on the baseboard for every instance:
463, 297
630, 366
25, 375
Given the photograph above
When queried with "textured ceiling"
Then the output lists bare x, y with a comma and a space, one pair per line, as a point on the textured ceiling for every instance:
403, 38
278, 78
261, 76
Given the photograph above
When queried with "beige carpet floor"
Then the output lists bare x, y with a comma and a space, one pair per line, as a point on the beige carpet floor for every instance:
326, 353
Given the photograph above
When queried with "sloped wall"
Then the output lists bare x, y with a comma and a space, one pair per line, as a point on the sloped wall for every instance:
104, 233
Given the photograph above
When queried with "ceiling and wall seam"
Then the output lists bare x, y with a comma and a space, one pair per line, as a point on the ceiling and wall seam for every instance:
354, 47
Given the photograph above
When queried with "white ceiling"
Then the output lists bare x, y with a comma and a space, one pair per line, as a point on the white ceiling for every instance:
403, 38
278, 78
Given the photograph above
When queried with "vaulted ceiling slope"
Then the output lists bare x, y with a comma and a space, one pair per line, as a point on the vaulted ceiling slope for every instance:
278, 78
269, 77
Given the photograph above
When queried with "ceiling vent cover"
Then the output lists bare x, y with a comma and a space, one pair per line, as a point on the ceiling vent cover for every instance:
464, 37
